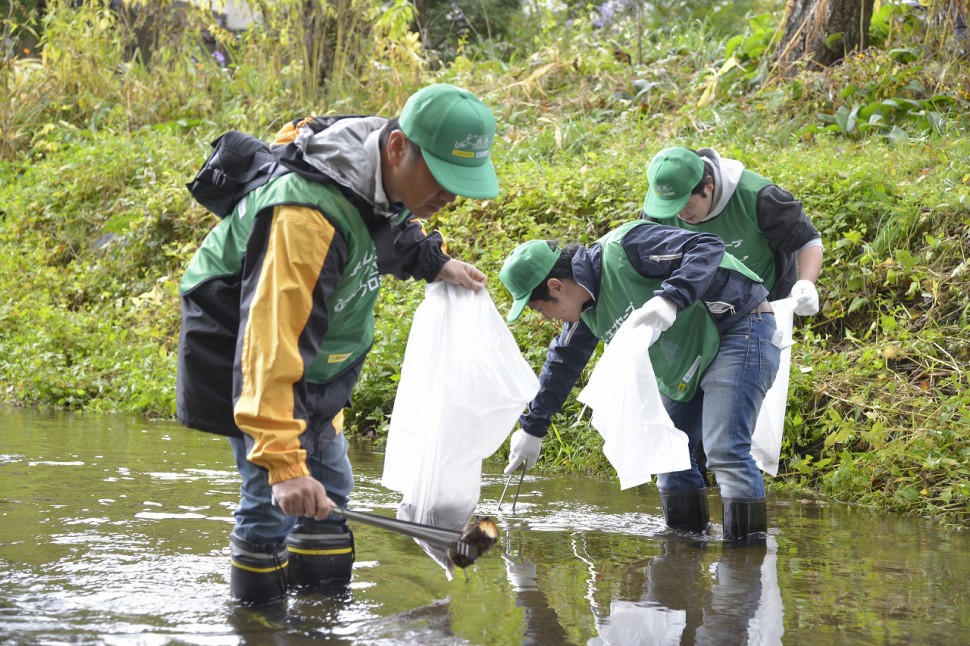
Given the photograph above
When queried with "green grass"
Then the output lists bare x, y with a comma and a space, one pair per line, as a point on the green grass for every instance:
97, 224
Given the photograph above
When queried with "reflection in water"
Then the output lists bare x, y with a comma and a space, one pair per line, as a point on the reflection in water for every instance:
678, 601
680, 607
541, 623
113, 531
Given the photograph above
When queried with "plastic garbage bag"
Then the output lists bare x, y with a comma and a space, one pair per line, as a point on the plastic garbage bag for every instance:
463, 385
639, 438
766, 440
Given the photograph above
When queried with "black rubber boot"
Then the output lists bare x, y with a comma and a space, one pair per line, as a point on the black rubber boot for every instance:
321, 555
745, 522
686, 510
258, 572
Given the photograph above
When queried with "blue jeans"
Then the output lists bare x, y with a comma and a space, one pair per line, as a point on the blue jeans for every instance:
258, 519
725, 409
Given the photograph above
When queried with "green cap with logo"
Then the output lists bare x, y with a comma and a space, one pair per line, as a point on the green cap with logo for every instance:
673, 173
455, 132
525, 269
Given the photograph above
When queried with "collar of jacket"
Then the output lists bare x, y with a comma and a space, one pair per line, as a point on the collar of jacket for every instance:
347, 153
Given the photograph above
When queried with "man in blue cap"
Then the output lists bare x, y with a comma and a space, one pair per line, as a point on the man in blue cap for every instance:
278, 315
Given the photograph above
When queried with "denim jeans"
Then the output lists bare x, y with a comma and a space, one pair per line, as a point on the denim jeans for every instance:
725, 410
258, 519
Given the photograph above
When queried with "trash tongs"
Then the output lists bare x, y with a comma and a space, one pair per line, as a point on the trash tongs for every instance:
449, 539
517, 489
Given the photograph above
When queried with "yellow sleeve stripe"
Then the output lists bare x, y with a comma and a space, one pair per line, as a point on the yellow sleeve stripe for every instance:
298, 245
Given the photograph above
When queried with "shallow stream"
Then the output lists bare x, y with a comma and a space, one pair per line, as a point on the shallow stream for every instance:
114, 531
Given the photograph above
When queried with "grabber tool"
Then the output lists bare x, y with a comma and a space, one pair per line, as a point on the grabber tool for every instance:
517, 489
463, 547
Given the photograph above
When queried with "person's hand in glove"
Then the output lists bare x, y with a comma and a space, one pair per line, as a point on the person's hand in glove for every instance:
523, 448
806, 297
656, 313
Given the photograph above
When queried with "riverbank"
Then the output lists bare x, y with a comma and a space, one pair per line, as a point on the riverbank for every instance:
98, 227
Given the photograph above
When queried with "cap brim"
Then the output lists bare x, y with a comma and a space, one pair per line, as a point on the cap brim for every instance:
517, 308
476, 182
657, 207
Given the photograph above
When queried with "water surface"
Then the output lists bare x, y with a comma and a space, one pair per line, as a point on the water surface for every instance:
115, 531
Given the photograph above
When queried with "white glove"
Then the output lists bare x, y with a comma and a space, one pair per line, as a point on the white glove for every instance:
523, 448
806, 295
656, 313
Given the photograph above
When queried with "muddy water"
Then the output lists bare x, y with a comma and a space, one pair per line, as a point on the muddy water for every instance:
114, 531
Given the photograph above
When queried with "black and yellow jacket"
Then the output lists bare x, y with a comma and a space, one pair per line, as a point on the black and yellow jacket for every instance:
277, 304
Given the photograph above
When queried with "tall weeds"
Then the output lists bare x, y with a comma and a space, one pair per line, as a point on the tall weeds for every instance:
107, 122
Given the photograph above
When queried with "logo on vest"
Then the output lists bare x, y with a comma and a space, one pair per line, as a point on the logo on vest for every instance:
618, 323
367, 278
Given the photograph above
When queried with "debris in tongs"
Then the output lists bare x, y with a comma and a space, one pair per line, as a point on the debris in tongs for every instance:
474, 542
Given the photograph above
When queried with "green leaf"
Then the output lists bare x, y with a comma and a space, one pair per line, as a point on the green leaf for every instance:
856, 303
846, 119
732, 45
848, 90
904, 55
870, 109
898, 135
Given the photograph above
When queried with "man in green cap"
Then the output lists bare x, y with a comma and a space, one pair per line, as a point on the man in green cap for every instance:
761, 224
278, 315
714, 358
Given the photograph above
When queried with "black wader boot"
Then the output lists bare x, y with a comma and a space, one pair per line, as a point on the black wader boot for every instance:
745, 522
686, 510
321, 554
258, 572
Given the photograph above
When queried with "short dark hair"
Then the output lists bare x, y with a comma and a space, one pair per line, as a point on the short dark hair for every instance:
391, 126
562, 269
706, 174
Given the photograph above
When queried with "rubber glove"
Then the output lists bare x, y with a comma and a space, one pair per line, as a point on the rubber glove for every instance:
656, 313
806, 295
523, 448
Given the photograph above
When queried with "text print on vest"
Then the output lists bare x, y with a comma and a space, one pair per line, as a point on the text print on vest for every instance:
369, 281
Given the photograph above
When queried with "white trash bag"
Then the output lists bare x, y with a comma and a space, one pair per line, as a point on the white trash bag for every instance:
463, 385
766, 440
639, 438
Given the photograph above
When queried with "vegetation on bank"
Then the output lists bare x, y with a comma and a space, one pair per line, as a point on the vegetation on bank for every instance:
98, 141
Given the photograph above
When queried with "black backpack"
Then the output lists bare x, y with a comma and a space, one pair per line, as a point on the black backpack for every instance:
237, 164
240, 163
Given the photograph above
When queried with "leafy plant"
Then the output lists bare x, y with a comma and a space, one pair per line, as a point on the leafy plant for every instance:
98, 227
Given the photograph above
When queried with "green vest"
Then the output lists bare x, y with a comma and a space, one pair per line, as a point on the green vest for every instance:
737, 226
682, 352
351, 305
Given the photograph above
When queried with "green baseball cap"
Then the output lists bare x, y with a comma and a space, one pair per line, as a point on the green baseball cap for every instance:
673, 173
525, 269
455, 132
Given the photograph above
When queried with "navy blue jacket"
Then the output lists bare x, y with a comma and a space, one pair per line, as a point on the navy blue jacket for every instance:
688, 260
